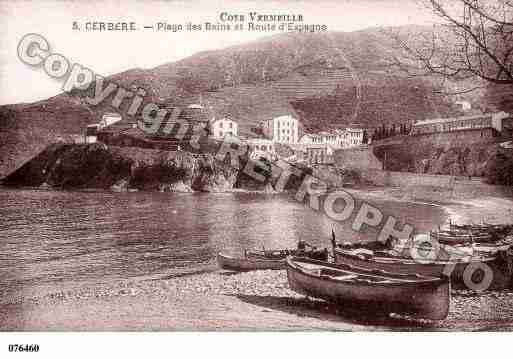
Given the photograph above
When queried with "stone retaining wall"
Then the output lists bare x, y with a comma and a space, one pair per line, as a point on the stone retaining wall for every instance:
453, 185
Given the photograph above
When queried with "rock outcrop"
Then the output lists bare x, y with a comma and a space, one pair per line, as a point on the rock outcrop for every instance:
456, 158
124, 169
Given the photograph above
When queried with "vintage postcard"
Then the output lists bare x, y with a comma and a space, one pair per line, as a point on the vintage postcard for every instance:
256, 166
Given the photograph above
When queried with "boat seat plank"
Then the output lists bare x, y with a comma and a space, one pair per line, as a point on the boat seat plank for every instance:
344, 277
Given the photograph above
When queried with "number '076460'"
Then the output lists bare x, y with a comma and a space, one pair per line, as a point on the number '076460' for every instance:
30, 348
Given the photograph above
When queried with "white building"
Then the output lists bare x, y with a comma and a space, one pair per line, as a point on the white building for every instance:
282, 129
108, 119
338, 139
261, 147
224, 127
353, 137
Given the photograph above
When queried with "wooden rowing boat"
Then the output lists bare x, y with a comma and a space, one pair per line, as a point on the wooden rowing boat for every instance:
454, 237
266, 259
248, 263
346, 285
499, 229
319, 254
494, 273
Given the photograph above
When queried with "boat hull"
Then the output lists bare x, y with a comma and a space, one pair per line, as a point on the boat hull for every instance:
284, 253
459, 271
248, 263
428, 299
453, 239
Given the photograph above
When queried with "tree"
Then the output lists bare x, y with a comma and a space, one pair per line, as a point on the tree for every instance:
474, 40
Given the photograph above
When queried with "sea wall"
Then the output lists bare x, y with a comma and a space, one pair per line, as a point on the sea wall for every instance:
447, 186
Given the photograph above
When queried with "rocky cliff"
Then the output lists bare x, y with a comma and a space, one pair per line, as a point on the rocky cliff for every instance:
65, 166
452, 158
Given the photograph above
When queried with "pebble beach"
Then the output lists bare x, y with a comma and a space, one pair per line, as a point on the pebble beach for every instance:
219, 300
210, 299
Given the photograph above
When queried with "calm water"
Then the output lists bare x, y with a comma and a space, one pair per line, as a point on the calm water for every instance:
51, 240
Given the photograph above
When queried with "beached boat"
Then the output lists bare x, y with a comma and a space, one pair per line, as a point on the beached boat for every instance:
248, 263
500, 230
404, 248
266, 259
453, 237
319, 254
490, 269
485, 248
411, 294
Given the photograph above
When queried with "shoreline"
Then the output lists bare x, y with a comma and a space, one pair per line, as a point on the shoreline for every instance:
493, 210
214, 300
226, 301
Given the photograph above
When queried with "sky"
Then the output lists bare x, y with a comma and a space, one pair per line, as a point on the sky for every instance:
111, 52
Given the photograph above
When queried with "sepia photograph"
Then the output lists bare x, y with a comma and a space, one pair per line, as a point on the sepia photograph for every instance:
244, 166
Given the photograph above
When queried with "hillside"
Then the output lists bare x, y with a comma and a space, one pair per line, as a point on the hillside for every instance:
327, 80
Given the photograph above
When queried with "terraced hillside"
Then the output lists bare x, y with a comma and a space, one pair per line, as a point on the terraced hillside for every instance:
327, 80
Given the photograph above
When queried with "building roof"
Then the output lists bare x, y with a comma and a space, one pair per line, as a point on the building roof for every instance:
279, 118
284, 116
119, 126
